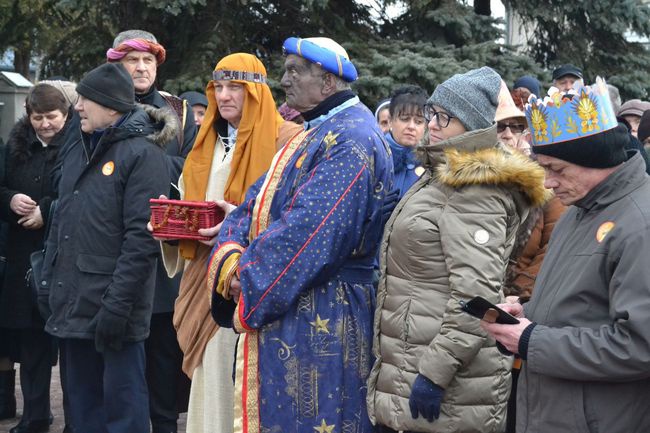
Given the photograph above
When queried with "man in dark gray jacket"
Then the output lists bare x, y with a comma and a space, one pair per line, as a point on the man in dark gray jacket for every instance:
99, 269
584, 335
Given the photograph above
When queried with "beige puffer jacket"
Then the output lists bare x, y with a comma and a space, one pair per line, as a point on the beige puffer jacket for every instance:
449, 239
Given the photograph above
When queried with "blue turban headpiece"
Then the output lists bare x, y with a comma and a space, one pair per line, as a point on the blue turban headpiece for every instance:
324, 52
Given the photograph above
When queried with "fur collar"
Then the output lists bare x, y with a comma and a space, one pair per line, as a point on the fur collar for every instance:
166, 122
495, 165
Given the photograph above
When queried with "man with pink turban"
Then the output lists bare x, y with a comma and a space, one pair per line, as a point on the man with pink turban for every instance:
141, 54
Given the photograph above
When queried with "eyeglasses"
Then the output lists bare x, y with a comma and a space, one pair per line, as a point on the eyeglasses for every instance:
442, 118
515, 128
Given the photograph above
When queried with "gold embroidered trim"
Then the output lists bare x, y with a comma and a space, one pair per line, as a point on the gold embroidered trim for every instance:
264, 199
213, 265
246, 407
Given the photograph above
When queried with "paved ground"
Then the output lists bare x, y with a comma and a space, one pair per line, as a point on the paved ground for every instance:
57, 407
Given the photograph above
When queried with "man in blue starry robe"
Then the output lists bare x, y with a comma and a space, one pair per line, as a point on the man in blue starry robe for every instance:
295, 260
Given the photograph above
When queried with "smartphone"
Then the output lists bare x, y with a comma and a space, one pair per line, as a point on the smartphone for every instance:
483, 309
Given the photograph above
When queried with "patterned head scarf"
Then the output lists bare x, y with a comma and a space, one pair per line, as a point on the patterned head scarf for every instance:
256, 135
138, 44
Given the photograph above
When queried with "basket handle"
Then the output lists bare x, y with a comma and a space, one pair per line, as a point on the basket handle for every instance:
189, 217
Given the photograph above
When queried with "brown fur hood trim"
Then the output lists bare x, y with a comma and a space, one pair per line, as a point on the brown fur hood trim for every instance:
166, 122
494, 166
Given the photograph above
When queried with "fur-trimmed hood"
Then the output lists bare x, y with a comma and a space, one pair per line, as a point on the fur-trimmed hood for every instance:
494, 166
477, 157
159, 124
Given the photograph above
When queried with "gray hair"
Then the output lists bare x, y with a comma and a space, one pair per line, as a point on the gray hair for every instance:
133, 34
341, 84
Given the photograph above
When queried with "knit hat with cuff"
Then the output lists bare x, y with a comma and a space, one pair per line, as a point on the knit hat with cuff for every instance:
109, 85
471, 97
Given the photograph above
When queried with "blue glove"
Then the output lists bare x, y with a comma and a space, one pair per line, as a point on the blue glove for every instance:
425, 398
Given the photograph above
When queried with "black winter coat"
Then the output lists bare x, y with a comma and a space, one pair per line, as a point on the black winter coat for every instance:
99, 252
28, 168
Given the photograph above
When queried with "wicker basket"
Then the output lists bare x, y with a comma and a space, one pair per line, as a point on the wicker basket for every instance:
179, 219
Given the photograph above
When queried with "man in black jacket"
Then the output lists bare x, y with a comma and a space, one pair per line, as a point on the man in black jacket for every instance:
141, 54
99, 268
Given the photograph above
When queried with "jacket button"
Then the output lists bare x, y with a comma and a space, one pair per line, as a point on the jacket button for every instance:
37, 179
76, 192
60, 284
55, 329
66, 237
43, 283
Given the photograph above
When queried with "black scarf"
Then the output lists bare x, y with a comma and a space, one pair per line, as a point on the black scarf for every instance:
328, 104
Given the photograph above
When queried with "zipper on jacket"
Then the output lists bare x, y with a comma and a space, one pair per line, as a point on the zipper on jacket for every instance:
83, 144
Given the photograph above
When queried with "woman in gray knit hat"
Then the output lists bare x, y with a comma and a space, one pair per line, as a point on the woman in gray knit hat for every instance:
448, 240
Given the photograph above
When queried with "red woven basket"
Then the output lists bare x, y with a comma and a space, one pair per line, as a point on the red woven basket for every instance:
180, 219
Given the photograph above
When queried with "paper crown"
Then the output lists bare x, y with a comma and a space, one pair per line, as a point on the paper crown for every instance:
580, 112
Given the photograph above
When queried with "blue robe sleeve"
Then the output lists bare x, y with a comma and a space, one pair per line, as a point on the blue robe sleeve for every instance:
224, 258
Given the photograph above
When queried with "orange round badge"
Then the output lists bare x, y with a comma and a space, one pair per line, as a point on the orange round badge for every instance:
108, 168
603, 230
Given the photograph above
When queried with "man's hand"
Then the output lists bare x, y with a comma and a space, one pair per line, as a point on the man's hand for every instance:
235, 288
508, 335
213, 232
22, 204
512, 300
512, 306
110, 331
33, 221
150, 226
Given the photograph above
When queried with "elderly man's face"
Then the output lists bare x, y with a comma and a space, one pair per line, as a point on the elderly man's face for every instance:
302, 83
230, 97
94, 116
142, 66
566, 82
569, 182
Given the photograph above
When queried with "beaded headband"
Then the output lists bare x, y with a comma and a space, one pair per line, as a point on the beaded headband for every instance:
254, 77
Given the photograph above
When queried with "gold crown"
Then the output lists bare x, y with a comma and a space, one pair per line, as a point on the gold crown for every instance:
565, 116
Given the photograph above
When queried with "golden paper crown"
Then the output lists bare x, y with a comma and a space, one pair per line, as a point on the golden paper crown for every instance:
565, 116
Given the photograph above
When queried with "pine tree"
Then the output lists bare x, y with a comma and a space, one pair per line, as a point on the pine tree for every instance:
429, 42
594, 35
